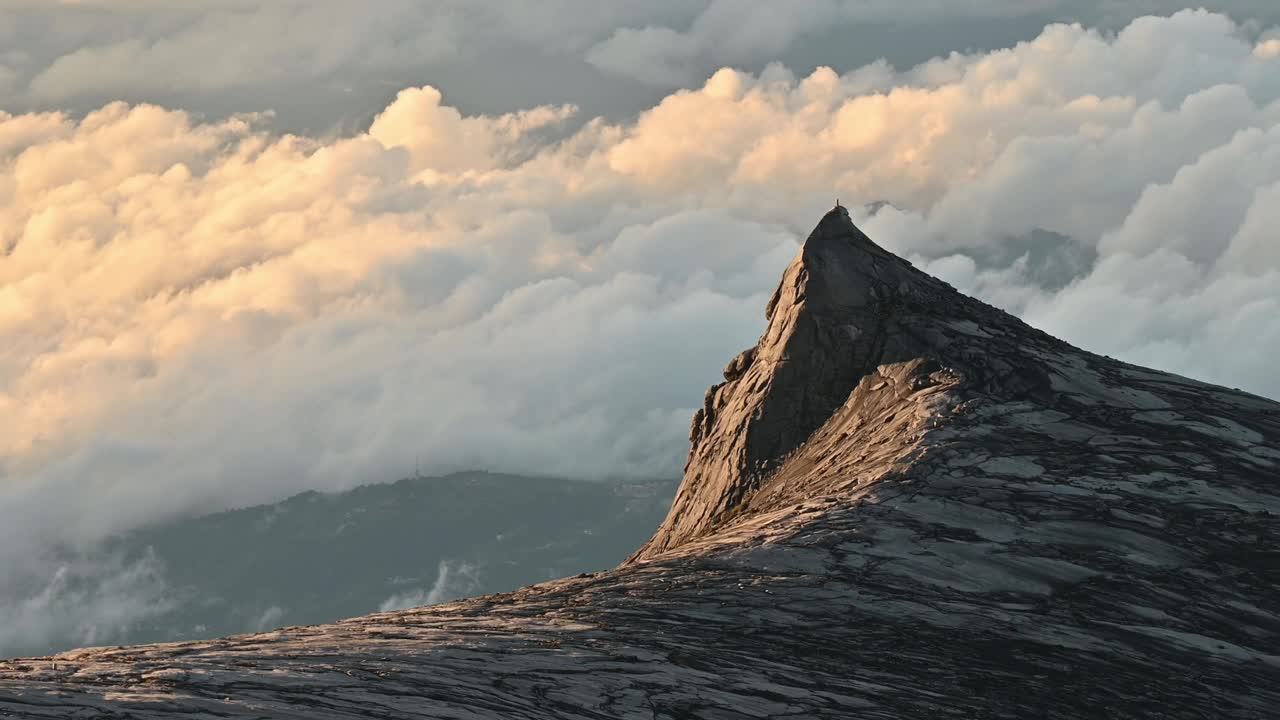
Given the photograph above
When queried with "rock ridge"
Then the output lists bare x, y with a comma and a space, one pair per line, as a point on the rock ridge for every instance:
844, 307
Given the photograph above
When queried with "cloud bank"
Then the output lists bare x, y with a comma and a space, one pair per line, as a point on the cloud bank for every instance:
325, 64
737, 32
203, 314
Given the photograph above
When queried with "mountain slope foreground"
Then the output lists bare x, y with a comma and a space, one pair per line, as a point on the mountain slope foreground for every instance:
902, 503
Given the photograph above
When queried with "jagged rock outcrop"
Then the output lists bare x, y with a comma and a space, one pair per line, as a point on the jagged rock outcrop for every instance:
843, 308
902, 503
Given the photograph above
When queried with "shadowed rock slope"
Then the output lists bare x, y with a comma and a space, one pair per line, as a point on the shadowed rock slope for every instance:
902, 503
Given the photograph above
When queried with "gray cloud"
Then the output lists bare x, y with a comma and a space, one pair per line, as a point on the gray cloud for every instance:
322, 66
741, 32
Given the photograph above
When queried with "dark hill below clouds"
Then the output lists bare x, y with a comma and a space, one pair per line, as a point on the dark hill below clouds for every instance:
901, 503
321, 557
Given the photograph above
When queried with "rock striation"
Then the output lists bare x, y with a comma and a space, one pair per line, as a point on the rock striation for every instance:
844, 308
902, 503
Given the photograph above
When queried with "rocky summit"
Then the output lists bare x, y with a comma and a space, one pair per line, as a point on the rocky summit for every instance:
901, 503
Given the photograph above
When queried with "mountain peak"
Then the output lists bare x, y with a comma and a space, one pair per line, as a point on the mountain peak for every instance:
840, 268
844, 308
837, 223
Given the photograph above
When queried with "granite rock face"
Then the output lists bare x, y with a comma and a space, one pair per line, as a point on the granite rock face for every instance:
843, 308
902, 503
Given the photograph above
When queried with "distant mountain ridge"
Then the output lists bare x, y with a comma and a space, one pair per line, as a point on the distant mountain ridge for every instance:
319, 557
901, 503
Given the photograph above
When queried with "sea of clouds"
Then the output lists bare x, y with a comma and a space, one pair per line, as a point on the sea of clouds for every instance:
202, 314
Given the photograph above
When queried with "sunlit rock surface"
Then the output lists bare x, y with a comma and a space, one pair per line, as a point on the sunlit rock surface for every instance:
901, 504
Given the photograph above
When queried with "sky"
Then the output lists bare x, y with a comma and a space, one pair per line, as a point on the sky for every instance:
249, 248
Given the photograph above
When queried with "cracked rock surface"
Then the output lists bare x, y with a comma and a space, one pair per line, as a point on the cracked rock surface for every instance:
902, 503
